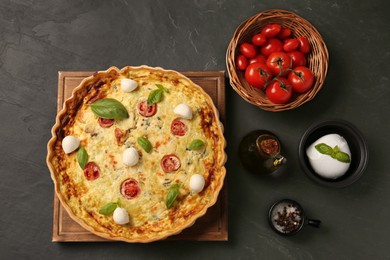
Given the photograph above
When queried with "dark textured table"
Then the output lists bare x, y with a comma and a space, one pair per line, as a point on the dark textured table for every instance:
39, 38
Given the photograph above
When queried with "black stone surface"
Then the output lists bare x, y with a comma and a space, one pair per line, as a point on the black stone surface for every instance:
39, 38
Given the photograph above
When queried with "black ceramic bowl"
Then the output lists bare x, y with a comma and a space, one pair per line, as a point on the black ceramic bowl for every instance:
357, 145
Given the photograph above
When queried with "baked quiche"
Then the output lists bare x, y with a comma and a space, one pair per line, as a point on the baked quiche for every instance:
137, 154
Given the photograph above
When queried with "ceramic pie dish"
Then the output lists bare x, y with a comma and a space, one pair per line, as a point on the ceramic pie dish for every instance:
136, 171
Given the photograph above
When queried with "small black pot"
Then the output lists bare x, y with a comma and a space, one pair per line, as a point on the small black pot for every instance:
304, 220
356, 143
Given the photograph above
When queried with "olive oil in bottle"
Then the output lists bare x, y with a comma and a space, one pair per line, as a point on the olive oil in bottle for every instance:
259, 152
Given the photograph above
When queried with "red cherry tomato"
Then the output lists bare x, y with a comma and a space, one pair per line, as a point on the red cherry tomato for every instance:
170, 163
290, 45
259, 58
258, 74
284, 33
248, 50
279, 63
279, 91
259, 39
301, 79
304, 45
145, 110
272, 45
129, 189
105, 123
178, 127
242, 62
298, 58
271, 30
91, 171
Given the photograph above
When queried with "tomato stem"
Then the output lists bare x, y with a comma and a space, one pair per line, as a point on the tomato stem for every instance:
282, 85
299, 74
269, 82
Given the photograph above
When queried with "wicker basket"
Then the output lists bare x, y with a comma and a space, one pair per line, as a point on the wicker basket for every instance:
317, 59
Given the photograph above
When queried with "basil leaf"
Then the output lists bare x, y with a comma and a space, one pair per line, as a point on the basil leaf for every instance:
335, 153
324, 149
155, 96
342, 157
162, 87
173, 192
82, 157
108, 208
196, 144
176, 186
145, 144
109, 108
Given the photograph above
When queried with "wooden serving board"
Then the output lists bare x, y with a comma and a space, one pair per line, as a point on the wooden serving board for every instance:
211, 227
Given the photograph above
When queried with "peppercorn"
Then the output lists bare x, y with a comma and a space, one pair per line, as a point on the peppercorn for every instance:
289, 221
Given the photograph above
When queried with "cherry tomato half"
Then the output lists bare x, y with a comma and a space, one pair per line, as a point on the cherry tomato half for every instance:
279, 91
271, 30
178, 127
259, 39
145, 110
290, 45
301, 79
284, 33
304, 45
248, 50
241, 62
259, 58
258, 74
170, 163
279, 63
129, 188
91, 171
105, 122
298, 58
272, 45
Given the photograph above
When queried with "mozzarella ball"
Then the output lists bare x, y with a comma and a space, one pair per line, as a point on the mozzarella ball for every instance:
70, 144
128, 85
183, 111
130, 156
197, 183
120, 216
323, 164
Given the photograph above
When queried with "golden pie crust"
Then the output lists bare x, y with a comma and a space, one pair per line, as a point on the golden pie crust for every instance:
150, 219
